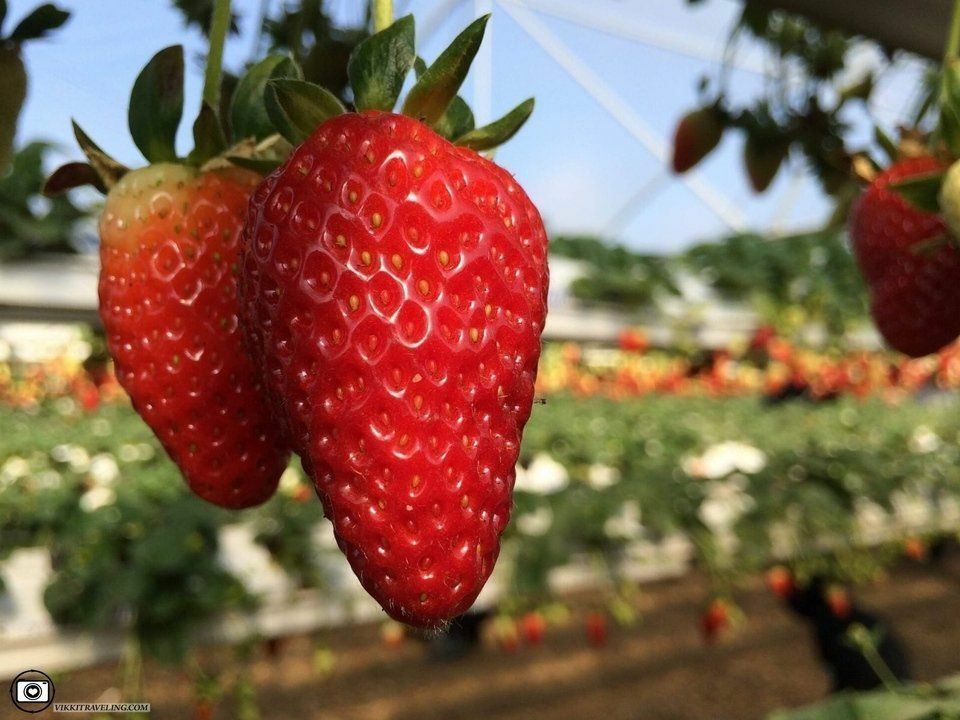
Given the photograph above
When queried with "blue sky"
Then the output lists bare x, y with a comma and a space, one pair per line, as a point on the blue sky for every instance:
575, 160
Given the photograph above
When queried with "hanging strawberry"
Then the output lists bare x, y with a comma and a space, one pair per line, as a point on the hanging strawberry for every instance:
905, 228
394, 290
169, 253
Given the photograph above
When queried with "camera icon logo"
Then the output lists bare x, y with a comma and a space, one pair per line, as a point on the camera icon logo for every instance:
32, 691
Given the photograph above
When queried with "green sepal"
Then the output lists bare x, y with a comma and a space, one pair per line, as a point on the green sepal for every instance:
457, 119
297, 107
156, 105
70, 176
379, 65
886, 144
248, 112
921, 191
260, 166
208, 138
45, 18
438, 85
109, 170
499, 131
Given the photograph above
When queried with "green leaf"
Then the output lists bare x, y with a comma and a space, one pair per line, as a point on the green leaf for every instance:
886, 143
921, 191
72, 175
419, 66
156, 105
45, 18
379, 65
109, 170
499, 131
208, 138
297, 107
261, 166
438, 85
3, 13
248, 111
456, 121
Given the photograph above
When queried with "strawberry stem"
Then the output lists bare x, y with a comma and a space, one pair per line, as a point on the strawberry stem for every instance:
218, 35
383, 14
953, 39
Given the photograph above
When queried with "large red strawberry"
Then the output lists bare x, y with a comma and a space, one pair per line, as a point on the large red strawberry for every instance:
911, 270
170, 260
394, 288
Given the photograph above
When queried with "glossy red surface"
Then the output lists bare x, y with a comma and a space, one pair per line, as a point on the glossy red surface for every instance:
169, 256
914, 292
394, 287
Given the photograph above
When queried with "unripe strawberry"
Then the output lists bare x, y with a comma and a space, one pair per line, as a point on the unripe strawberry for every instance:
762, 161
950, 199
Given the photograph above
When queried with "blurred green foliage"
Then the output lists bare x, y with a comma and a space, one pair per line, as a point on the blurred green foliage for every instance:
31, 224
813, 272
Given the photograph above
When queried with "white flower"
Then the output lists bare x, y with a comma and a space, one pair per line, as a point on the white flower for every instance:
725, 503
104, 469
15, 468
625, 524
724, 458
869, 519
924, 440
911, 509
600, 476
75, 456
535, 523
47, 480
101, 427
96, 498
65, 406
544, 476
128, 453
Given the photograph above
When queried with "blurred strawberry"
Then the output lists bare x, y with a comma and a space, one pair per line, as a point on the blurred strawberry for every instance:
915, 549
533, 627
596, 628
697, 134
633, 340
779, 580
392, 633
838, 600
203, 710
715, 619
505, 632
762, 161
909, 266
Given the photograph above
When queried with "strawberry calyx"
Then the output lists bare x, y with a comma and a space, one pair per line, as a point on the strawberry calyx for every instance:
377, 70
156, 111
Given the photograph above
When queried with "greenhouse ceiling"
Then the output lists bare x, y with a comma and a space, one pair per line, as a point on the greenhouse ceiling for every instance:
919, 26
